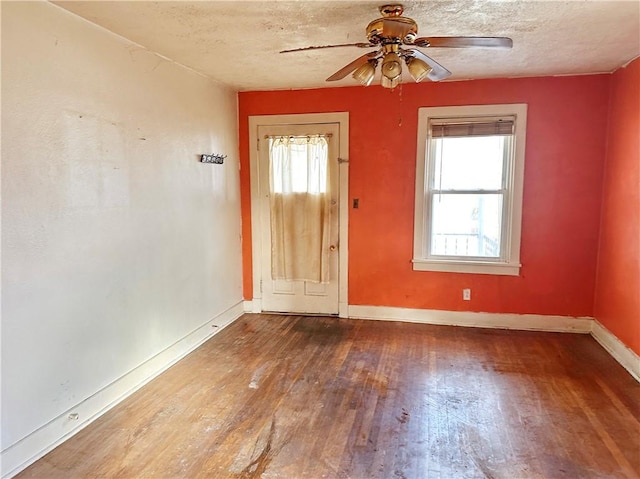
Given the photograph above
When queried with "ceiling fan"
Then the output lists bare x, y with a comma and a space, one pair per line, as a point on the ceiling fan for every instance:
389, 34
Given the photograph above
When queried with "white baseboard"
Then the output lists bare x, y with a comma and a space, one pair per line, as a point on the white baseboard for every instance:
527, 322
28, 450
627, 358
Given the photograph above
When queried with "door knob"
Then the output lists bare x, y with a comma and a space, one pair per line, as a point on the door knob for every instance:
333, 247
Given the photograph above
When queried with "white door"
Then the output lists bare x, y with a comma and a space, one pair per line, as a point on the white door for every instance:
300, 296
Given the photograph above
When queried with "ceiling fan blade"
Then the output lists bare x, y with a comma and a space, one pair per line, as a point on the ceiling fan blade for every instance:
359, 45
345, 70
464, 42
438, 72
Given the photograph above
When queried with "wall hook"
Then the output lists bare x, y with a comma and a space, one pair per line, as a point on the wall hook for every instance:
213, 158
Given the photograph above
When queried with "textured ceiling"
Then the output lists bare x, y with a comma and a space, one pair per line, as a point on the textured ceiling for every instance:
237, 42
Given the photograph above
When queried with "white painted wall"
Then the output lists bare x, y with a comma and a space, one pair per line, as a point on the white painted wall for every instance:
116, 241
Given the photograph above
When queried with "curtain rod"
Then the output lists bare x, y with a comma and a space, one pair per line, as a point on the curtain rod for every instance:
325, 135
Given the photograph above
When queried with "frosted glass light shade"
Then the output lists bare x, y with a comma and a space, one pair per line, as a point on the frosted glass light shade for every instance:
387, 83
391, 66
365, 73
418, 69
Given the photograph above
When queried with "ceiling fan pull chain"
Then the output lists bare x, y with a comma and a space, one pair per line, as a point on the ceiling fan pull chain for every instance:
400, 105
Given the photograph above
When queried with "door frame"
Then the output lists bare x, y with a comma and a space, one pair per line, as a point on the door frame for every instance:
342, 119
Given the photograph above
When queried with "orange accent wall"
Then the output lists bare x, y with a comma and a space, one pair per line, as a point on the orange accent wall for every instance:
566, 138
617, 299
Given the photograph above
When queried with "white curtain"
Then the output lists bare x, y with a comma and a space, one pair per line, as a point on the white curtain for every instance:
300, 203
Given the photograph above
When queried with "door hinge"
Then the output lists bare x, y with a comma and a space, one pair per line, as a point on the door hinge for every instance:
343, 160
261, 286
258, 144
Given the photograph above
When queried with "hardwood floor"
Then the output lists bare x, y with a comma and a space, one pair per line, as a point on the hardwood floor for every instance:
309, 397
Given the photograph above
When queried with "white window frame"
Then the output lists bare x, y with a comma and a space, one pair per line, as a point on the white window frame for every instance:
509, 263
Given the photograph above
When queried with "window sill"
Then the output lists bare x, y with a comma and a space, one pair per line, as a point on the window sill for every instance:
474, 267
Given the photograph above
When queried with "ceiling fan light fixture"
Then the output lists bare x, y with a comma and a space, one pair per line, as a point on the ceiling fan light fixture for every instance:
391, 66
365, 73
417, 68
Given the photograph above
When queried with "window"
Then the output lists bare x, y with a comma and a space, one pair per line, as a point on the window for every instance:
469, 175
299, 164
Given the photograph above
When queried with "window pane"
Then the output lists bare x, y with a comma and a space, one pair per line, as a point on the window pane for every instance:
466, 225
299, 167
468, 163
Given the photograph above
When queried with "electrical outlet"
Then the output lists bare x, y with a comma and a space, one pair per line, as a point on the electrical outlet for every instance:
466, 294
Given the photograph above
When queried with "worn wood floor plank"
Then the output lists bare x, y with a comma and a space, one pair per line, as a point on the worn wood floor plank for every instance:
277, 396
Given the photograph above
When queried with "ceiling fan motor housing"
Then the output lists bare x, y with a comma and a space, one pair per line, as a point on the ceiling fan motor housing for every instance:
392, 30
